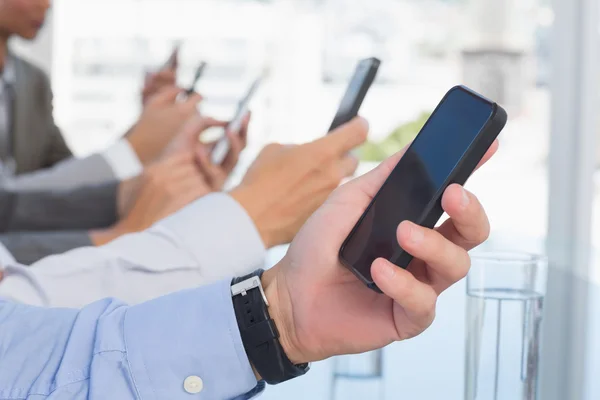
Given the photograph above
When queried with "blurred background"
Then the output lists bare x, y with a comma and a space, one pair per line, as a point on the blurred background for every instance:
97, 52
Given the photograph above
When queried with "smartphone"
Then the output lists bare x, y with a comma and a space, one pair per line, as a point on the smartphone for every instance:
447, 150
197, 76
222, 147
359, 85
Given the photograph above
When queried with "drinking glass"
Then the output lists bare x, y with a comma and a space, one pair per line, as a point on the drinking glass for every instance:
505, 297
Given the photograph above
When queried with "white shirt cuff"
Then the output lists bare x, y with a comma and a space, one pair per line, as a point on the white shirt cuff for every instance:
123, 160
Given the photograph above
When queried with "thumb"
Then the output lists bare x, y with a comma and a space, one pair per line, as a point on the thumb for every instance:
167, 95
198, 124
191, 101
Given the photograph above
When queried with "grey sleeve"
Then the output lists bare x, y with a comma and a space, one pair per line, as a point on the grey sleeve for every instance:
68, 174
30, 247
88, 207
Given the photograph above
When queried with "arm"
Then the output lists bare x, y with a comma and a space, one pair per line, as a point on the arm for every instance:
118, 162
84, 208
210, 239
108, 350
29, 247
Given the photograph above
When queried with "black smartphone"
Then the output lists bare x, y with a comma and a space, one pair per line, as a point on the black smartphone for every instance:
197, 76
359, 85
447, 150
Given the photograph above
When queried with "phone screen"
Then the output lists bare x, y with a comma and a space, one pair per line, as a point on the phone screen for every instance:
417, 179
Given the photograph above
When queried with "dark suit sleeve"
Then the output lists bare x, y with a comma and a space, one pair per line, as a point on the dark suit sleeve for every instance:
89, 207
29, 247
58, 149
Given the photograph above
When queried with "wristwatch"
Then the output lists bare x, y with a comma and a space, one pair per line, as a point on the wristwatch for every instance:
259, 333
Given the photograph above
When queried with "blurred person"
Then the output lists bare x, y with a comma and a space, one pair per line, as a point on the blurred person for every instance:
36, 224
218, 235
30, 140
224, 341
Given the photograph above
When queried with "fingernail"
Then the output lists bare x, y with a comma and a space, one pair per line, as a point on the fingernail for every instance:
464, 201
416, 233
387, 269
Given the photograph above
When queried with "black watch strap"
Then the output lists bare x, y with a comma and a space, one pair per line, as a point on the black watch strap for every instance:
259, 333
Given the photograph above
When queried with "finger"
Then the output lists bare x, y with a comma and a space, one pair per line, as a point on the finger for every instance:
148, 79
446, 262
191, 102
213, 174
166, 174
197, 124
166, 95
244, 131
347, 166
345, 138
208, 122
371, 182
233, 155
416, 298
165, 75
193, 184
180, 157
489, 154
468, 225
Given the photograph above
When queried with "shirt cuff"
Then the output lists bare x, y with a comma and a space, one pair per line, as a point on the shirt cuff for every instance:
122, 159
191, 335
216, 231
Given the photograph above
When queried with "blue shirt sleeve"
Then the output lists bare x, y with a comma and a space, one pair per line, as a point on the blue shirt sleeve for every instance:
184, 345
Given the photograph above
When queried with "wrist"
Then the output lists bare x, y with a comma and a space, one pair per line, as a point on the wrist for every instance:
142, 149
280, 311
126, 195
252, 207
101, 237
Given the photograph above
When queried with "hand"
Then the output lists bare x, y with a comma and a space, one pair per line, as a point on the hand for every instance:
321, 309
188, 137
162, 118
161, 190
286, 184
154, 82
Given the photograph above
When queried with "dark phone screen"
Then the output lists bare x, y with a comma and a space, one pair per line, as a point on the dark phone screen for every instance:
419, 175
345, 110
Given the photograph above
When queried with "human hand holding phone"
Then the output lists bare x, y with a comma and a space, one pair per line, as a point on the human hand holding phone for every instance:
360, 83
287, 183
446, 151
321, 309
164, 76
222, 146
161, 119
189, 137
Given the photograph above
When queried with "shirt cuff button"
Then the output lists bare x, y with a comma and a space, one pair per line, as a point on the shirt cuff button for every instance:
193, 384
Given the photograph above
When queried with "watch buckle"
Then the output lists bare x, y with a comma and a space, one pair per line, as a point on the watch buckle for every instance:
244, 286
